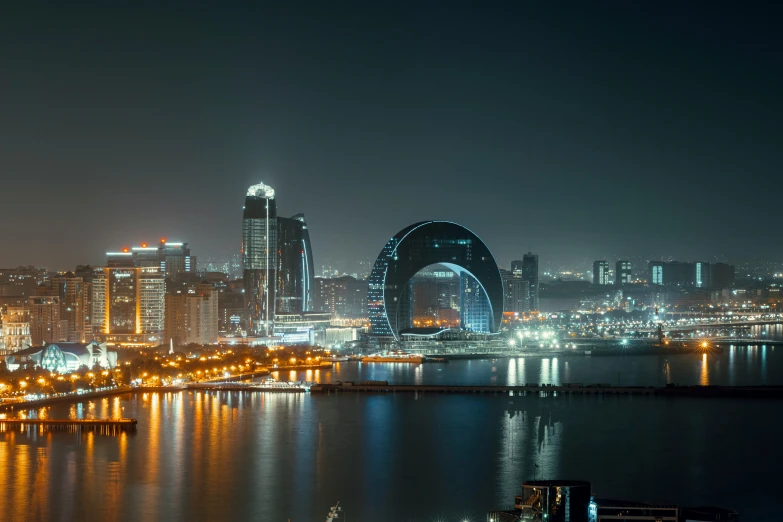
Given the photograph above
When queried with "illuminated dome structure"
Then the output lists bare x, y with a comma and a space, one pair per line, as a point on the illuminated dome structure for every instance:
428, 243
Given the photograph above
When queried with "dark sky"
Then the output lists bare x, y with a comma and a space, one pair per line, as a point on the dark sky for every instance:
580, 130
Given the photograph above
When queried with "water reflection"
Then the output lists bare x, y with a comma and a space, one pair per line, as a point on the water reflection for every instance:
704, 376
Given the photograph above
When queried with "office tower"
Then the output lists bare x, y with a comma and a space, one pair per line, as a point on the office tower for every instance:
516, 293
172, 259
722, 276
16, 328
601, 272
656, 272
151, 301
622, 273
71, 290
192, 315
295, 277
259, 249
703, 275
45, 324
530, 274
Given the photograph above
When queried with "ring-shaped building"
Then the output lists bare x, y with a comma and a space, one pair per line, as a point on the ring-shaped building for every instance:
428, 243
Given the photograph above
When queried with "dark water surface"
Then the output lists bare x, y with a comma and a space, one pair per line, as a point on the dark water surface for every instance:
204, 456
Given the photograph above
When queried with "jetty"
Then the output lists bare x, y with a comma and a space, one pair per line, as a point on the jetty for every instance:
103, 426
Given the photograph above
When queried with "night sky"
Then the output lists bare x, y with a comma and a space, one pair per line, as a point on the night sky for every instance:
580, 130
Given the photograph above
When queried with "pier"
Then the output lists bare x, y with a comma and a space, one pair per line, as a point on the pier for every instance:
564, 390
103, 426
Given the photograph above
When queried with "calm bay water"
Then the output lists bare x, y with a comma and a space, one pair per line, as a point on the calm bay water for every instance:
200, 456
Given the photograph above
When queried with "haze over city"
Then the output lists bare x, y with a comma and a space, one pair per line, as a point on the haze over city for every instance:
602, 129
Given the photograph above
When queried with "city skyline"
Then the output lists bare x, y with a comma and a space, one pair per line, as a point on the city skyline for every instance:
535, 127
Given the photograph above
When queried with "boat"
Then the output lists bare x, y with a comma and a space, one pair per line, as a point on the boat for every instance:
339, 358
394, 357
436, 360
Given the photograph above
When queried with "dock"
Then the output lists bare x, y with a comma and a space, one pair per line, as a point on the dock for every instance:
565, 390
103, 426
232, 386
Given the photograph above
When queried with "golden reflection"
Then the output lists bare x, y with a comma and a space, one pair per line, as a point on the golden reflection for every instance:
704, 378
22, 469
41, 481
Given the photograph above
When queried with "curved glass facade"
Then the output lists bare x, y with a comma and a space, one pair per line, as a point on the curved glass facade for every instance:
419, 246
259, 257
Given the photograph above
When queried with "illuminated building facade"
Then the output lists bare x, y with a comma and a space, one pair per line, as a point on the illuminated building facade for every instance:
295, 277
344, 297
516, 293
419, 246
656, 273
72, 291
259, 249
623, 275
601, 272
554, 501
16, 328
172, 259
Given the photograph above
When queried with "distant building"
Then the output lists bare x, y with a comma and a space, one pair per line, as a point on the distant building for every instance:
601, 272
656, 272
295, 275
45, 324
722, 276
623, 274
16, 328
71, 290
702, 275
604, 510
516, 293
192, 315
300, 328
343, 297
21, 281
517, 267
530, 274
170, 258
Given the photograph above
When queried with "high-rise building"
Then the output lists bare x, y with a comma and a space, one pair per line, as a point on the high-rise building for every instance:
295, 276
45, 324
71, 290
601, 272
170, 258
16, 328
622, 273
530, 274
192, 315
722, 276
703, 275
475, 314
344, 297
517, 266
656, 272
516, 293
259, 257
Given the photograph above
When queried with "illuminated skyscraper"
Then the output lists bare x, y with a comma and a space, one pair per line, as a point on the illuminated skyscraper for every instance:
295, 277
259, 249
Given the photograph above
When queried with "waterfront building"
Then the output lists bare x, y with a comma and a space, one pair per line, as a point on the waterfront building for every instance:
530, 274
295, 276
259, 257
16, 328
623, 275
45, 324
419, 246
300, 328
192, 315
601, 272
62, 357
